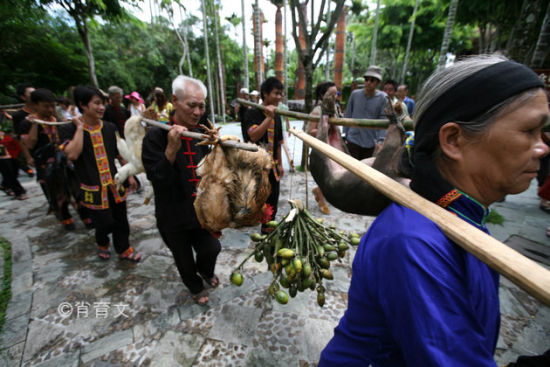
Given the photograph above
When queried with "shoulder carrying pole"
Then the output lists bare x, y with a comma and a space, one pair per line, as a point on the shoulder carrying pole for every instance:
525, 273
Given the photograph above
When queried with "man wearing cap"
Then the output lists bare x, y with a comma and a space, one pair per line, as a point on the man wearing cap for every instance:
366, 103
255, 96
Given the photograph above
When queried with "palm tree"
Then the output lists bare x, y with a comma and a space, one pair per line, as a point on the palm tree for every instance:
339, 48
221, 83
448, 31
541, 49
278, 40
245, 49
285, 61
258, 57
375, 35
206, 51
409, 43
327, 61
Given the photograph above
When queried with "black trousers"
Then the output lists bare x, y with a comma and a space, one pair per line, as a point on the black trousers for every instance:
207, 247
8, 168
358, 152
112, 220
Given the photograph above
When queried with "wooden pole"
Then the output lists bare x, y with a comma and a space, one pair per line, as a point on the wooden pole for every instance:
373, 124
367, 123
189, 134
523, 272
10, 106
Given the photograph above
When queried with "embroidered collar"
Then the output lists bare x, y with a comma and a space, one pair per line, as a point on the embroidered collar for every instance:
94, 128
464, 206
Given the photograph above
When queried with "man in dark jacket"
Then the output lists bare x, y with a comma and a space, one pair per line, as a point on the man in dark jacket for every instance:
170, 161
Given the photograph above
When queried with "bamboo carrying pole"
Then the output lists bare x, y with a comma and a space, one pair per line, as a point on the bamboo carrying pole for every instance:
367, 123
373, 124
9, 106
525, 273
187, 134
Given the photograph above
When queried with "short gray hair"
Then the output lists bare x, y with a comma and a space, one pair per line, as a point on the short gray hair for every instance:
113, 89
180, 84
444, 79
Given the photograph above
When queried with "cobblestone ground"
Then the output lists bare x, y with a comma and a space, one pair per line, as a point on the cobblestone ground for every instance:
69, 308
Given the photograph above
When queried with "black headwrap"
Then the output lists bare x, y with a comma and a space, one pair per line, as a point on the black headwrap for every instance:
465, 101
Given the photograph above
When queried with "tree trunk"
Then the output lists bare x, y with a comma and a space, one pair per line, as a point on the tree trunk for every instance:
258, 59
299, 86
339, 49
409, 44
206, 51
353, 48
524, 33
184, 31
447, 35
182, 41
221, 85
543, 42
279, 45
85, 35
285, 58
245, 48
327, 61
375, 35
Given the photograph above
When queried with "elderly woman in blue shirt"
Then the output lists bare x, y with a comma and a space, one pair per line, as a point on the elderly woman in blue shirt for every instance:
416, 298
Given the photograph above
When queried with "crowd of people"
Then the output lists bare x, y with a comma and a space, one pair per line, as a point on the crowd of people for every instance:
439, 306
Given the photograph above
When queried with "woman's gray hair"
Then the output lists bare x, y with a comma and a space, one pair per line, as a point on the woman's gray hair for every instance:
445, 79
179, 85
113, 89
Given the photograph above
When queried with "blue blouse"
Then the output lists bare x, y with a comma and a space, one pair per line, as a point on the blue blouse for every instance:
416, 298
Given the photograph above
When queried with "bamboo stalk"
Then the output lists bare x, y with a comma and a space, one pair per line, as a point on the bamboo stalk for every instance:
189, 134
51, 123
15, 105
368, 123
525, 273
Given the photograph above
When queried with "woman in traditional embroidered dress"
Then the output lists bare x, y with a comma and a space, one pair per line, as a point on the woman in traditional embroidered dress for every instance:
91, 144
416, 298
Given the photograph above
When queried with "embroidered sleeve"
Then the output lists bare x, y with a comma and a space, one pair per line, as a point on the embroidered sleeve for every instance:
252, 128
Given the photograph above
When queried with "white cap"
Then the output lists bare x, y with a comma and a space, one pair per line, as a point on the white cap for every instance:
255, 93
244, 90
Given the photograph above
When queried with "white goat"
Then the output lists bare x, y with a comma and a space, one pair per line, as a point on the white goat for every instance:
130, 149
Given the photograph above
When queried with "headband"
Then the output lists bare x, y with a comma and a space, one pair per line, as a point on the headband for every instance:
465, 101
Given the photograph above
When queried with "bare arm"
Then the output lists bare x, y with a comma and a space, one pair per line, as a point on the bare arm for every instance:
260, 130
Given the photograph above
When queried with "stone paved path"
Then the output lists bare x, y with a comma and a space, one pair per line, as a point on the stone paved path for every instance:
69, 308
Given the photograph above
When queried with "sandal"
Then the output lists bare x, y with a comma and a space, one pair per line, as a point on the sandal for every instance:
103, 252
22, 197
130, 254
212, 282
201, 298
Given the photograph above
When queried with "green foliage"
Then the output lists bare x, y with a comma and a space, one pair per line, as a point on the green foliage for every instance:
494, 217
39, 49
394, 27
